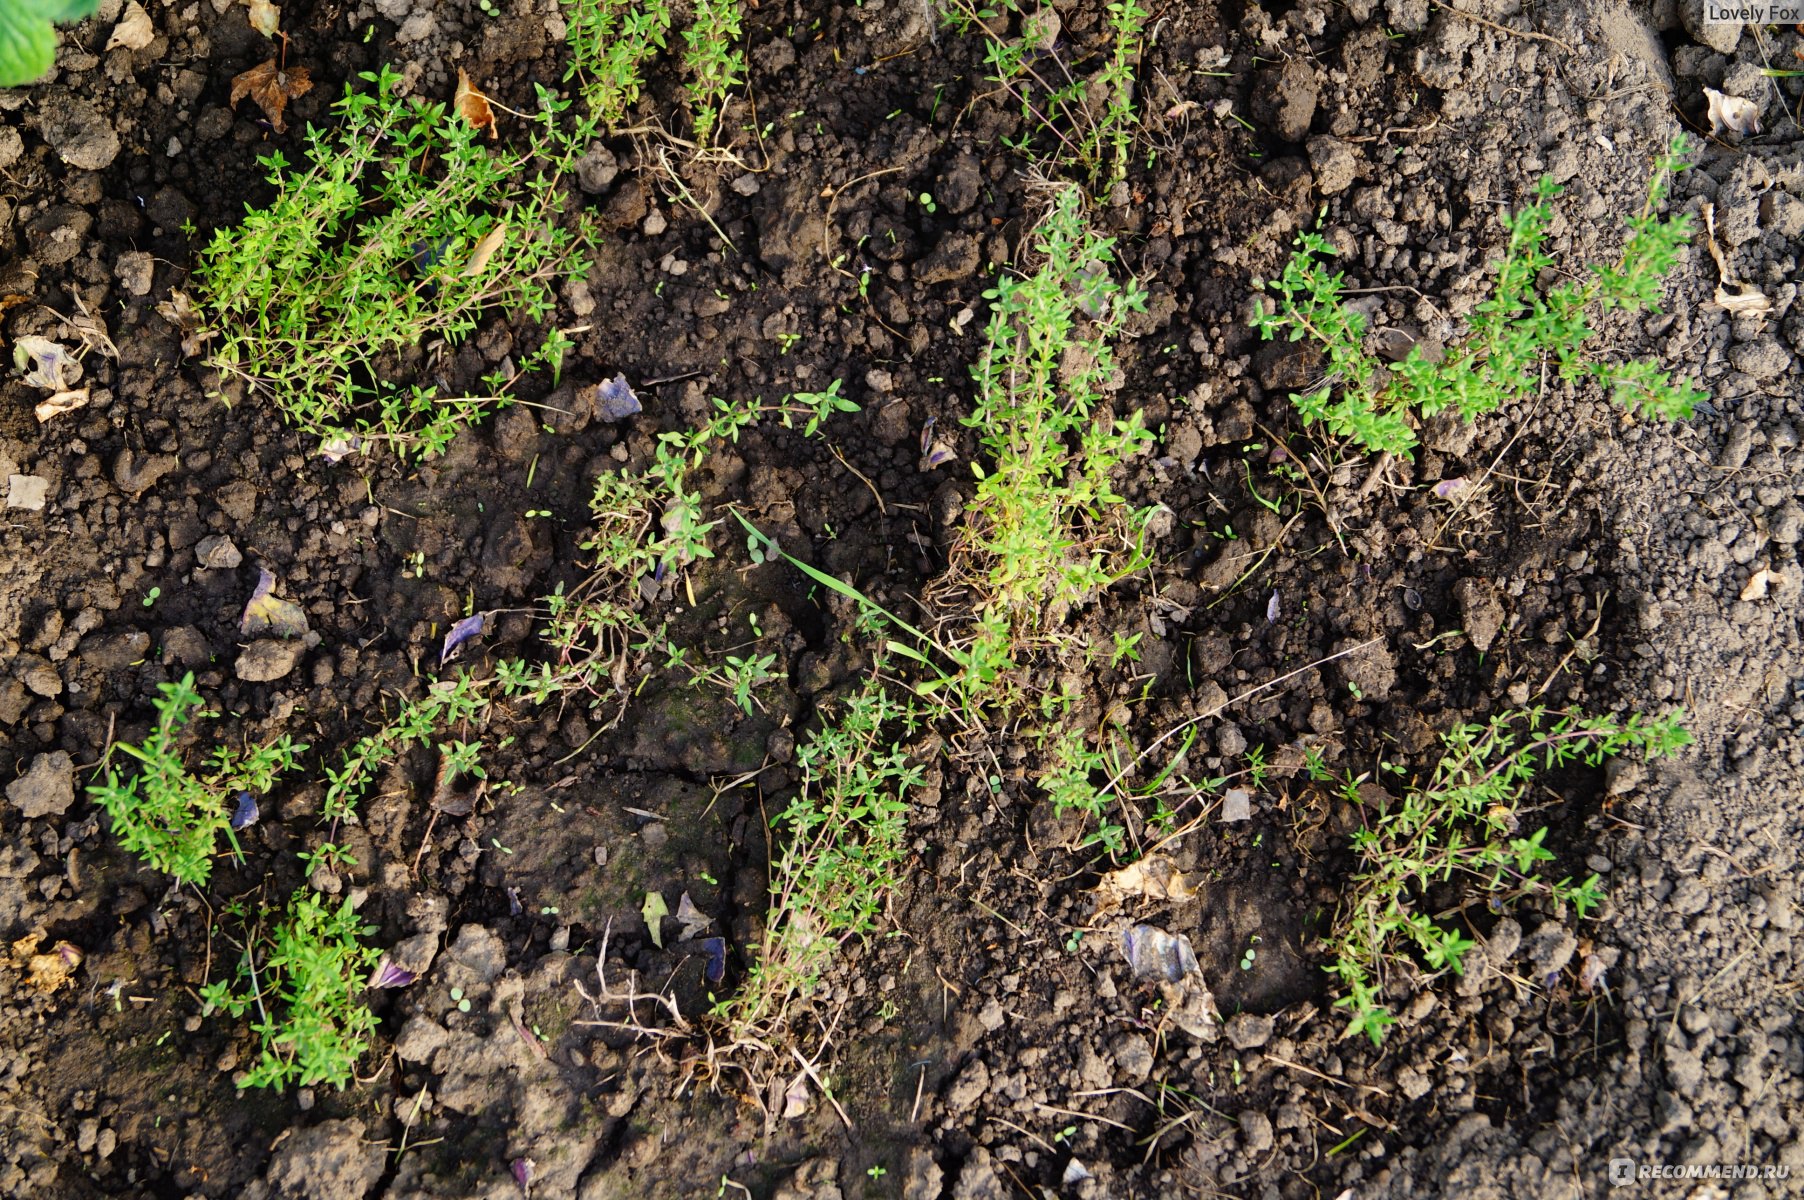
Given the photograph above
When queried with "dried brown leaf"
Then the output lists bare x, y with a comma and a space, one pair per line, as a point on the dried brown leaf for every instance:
266, 18
485, 249
272, 88
472, 105
134, 30
61, 403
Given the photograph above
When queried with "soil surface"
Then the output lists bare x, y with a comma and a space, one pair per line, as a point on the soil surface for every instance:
991, 1042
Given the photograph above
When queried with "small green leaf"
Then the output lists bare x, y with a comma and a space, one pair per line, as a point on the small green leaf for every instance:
654, 912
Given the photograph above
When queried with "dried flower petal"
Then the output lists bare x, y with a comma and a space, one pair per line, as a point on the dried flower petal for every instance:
614, 400
246, 813
134, 30
1273, 608
1447, 489
60, 403
716, 950
53, 368
485, 250
265, 613
388, 975
266, 18
461, 632
272, 88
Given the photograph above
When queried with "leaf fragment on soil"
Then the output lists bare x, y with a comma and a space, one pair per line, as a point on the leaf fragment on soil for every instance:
46, 972
1738, 298
61, 403
180, 312
459, 633
134, 30
654, 911
52, 367
272, 88
1154, 877
1159, 958
691, 919
266, 18
472, 105
266, 613
485, 249
1732, 113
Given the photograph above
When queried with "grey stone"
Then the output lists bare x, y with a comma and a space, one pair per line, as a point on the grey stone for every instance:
1335, 163
1481, 614
217, 552
47, 789
1721, 36
77, 131
1248, 1031
134, 270
27, 491
267, 660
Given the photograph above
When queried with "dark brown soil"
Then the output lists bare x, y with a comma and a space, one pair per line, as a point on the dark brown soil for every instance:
990, 1042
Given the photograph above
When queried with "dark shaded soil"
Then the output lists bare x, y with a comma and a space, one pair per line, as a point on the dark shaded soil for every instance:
991, 1043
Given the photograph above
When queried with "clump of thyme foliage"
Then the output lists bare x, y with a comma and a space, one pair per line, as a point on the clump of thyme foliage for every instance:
305, 982
170, 818
611, 44
715, 58
1511, 336
1047, 530
1464, 824
838, 850
402, 227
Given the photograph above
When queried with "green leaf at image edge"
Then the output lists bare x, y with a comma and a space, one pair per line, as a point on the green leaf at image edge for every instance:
27, 42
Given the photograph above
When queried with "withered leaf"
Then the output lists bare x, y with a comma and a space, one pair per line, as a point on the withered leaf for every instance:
272, 88
485, 249
472, 105
134, 31
265, 17
61, 403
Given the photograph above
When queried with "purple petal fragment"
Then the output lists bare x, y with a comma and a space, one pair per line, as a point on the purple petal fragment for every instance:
265, 613
938, 456
246, 814
388, 975
1273, 608
927, 435
716, 950
1447, 489
1156, 955
615, 401
523, 1168
461, 632
513, 901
